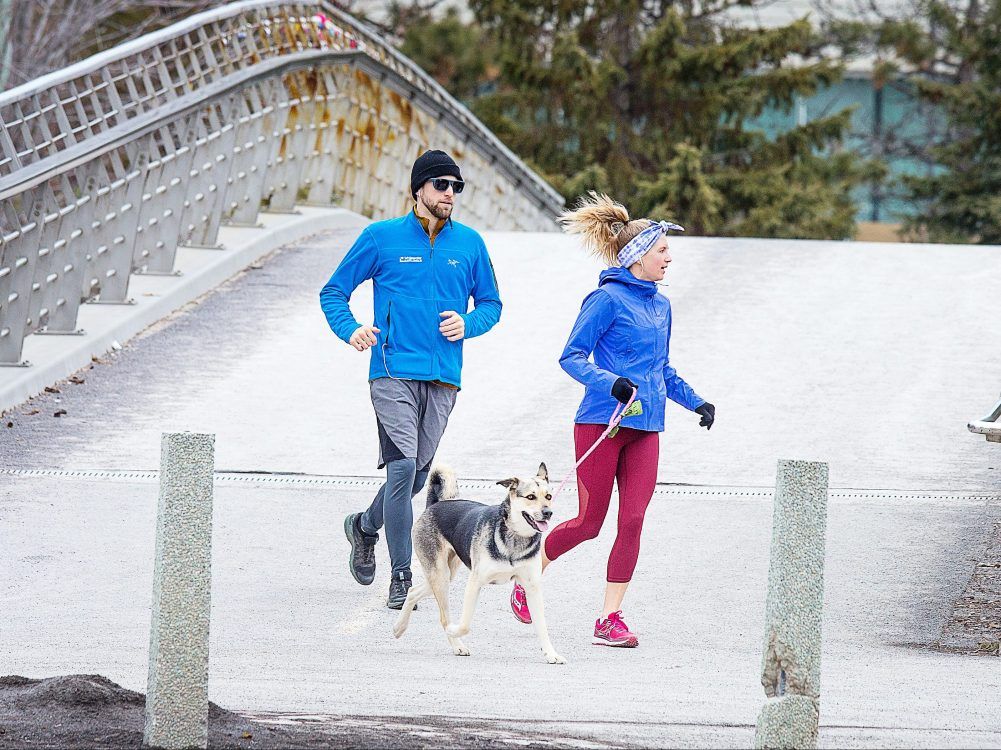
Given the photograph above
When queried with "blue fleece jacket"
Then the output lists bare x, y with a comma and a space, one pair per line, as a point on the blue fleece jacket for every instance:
412, 283
626, 324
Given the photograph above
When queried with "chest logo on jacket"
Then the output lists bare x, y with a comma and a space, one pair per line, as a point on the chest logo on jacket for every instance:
453, 262
411, 259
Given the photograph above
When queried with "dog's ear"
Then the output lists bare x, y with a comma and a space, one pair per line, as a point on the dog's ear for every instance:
511, 483
543, 473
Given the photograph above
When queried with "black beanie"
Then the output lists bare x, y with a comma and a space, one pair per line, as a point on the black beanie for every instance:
429, 165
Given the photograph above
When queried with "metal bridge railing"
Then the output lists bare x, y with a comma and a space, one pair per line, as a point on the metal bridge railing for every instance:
989, 426
107, 166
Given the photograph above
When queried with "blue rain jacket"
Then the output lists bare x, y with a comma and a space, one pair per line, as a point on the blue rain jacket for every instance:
626, 324
412, 284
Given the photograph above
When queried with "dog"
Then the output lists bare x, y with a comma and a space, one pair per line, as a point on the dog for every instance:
497, 543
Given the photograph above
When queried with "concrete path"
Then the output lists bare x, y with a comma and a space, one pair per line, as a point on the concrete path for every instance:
871, 357
864, 356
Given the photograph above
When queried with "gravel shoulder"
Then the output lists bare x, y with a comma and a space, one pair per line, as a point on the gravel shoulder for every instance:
90, 711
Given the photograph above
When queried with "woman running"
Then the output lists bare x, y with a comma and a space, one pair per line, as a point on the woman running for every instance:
626, 324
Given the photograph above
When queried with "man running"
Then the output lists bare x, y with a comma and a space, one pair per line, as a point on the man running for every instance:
424, 268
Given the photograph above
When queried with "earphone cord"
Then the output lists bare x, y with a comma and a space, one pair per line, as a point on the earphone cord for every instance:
386, 364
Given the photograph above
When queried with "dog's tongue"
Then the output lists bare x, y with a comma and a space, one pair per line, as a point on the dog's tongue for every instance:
542, 525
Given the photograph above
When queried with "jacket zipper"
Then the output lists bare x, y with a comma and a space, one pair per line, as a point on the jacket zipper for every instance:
389, 323
434, 297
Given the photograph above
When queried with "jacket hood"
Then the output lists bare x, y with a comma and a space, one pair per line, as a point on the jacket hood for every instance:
619, 275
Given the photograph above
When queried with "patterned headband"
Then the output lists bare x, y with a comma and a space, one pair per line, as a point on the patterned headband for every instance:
638, 246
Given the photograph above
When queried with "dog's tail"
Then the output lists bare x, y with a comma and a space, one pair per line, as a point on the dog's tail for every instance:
441, 485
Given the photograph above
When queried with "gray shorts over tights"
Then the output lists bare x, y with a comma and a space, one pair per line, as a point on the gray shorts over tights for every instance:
411, 416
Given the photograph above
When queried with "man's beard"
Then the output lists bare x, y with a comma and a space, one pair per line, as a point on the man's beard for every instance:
439, 211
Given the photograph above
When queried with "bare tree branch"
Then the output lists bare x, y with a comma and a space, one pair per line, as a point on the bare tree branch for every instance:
45, 35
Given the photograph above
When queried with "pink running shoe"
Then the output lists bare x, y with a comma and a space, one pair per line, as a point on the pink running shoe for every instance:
519, 604
612, 631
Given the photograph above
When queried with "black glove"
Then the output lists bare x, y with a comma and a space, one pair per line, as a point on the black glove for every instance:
622, 389
708, 412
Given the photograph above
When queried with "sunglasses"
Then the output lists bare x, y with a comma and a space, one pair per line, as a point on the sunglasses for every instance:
441, 185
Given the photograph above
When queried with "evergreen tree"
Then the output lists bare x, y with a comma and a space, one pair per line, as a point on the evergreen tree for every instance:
961, 200
653, 101
458, 55
950, 51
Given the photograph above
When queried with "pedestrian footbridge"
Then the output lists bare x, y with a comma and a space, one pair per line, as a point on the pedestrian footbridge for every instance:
110, 165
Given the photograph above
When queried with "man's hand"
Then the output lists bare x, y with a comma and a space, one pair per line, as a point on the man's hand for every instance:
364, 337
453, 327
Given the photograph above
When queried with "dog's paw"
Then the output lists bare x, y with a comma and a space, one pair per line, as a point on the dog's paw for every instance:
456, 631
399, 629
460, 650
555, 658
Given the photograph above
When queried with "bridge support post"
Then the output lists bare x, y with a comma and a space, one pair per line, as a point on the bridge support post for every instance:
177, 691
287, 173
219, 177
243, 201
790, 670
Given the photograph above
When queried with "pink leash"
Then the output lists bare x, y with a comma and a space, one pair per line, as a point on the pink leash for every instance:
613, 422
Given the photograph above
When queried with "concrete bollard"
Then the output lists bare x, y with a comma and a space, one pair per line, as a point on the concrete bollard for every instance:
790, 671
177, 700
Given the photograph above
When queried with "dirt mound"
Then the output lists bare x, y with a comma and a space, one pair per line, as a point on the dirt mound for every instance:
88, 710
71, 711
71, 692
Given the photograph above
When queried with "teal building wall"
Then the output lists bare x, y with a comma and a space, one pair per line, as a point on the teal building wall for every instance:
888, 122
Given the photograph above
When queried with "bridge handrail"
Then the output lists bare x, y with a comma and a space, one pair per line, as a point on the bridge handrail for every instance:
356, 32
153, 39
78, 154
431, 85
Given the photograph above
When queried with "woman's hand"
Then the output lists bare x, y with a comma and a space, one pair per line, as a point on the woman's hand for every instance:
708, 412
622, 389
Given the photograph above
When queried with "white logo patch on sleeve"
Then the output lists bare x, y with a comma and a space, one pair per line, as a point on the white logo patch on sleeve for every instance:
411, 259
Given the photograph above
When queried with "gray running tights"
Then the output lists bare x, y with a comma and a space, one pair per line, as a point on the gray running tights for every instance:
393, 509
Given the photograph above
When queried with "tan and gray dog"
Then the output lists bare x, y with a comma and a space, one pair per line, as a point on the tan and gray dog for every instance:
497, 543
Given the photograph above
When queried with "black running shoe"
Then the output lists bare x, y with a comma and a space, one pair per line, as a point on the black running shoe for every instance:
399, 586
361, 560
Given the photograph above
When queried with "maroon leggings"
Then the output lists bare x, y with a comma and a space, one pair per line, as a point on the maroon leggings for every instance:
631, 458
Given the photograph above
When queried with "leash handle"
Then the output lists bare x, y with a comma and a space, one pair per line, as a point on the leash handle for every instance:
613, 421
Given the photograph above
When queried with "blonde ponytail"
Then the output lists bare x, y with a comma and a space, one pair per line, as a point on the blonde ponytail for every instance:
603, 224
